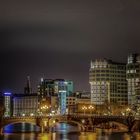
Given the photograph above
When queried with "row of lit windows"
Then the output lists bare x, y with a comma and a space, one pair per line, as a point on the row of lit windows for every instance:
99, 91
109, 71
133, 66
99, 87
119, 95
98, 95
108, 75
25, 103
119, 99
98, 65
107, 79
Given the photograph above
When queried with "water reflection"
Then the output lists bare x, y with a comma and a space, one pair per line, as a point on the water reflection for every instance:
64, 128
21, 127
63, 133
72, 136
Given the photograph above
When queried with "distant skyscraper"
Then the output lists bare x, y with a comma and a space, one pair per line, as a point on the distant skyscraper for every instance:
28, 89
7, 104
46, 88
133, 76
59, 88
108, 82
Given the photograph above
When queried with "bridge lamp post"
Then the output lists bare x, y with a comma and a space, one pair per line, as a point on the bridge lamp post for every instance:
91, 108
84, 108
128, 110
44, 108
32, 114
23, 115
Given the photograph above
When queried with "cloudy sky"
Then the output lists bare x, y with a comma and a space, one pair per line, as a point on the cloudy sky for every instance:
57, 39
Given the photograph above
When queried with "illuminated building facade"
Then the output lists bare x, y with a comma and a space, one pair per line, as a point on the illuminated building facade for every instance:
108, 82
7, 104
137, 91
83, 102
59, 88
71, 104
64, 89
25, 105
46, 88
82, 94
54, 104
133, 77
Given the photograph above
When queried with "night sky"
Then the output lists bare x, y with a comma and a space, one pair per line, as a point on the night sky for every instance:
58, 39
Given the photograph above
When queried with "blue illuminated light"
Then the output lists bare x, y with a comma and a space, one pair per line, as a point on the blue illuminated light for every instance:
8, 128
7, 93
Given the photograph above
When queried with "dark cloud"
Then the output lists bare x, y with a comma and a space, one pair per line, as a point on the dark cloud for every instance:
59, 38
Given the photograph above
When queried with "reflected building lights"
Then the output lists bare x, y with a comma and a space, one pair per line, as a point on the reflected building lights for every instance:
23, 136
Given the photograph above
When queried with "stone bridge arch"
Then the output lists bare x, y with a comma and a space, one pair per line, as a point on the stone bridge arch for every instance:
8, 121
120, 120
55, 121
113, 123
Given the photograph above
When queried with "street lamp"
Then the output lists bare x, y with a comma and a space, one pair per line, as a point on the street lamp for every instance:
44, 108
84, 108
128, 110
91, 108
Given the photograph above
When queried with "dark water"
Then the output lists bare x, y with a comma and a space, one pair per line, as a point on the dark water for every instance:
74, 136
61, 134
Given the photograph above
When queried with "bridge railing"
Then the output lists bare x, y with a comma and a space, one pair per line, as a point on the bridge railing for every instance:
68, 115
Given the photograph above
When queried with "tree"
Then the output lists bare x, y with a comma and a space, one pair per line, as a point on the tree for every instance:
130, 121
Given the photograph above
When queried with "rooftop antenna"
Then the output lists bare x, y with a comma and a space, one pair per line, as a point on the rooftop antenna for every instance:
27, 89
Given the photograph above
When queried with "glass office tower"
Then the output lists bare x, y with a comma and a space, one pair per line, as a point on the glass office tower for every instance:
59, 88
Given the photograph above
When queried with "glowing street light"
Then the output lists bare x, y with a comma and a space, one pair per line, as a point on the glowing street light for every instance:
44, 108
84, 108
128, 109
31, 114
91, 108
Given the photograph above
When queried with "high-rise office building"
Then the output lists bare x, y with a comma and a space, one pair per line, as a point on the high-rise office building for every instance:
46, 88
59, 88
7, 104
133, 77
108, 82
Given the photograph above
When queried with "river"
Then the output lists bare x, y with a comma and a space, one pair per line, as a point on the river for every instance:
62, 132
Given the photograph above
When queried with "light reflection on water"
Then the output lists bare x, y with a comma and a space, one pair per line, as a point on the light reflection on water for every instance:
73, 136
61, 134
65, 136
21, 127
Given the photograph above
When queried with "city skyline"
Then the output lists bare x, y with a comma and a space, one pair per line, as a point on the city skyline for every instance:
59, 39
35, 89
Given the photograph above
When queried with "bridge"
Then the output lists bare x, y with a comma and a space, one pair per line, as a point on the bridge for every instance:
84, 122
